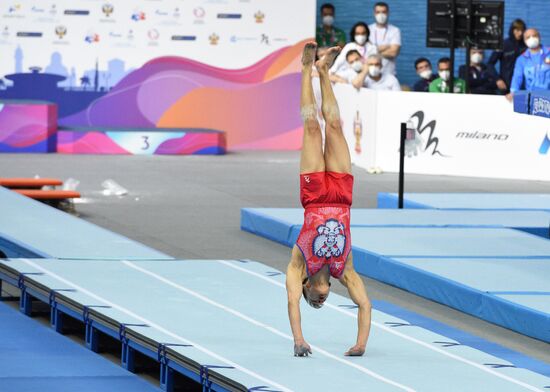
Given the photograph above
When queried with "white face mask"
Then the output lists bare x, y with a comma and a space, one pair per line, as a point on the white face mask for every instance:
426, 74
532, 42
445, 75
328, 20
357, 66
374, 71
476, 58
360, 39
381, 18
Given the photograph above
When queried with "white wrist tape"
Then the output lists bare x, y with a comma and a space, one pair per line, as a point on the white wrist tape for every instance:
308, 112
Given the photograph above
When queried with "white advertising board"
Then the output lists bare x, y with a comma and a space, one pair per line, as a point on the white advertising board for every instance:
462, 135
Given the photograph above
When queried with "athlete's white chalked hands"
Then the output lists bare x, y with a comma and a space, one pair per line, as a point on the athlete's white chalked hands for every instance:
301, 349
355, 351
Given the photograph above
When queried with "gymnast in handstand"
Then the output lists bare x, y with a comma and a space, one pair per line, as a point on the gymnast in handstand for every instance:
323, 248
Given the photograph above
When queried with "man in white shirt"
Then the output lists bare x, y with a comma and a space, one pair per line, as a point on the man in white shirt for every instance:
354, 66
372, 76
386, 37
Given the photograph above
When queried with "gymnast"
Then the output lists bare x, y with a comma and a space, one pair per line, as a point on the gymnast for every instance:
323, 248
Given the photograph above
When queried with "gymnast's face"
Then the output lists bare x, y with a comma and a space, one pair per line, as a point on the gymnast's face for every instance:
316, 293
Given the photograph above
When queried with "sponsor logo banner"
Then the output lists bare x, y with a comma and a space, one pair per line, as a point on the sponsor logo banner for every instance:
464, 135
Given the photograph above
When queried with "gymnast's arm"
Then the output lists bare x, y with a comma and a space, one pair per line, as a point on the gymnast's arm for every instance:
359, 80
294, 273
353, 282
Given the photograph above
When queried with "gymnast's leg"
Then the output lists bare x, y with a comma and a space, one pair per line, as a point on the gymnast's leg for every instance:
337, 157
312, 159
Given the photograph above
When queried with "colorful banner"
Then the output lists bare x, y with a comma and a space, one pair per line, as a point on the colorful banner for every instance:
28, 126
230, 65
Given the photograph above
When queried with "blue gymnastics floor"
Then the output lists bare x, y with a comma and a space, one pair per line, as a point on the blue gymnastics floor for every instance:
276, 222
499, 275
230, 317
469, 201
33, 229
34, 358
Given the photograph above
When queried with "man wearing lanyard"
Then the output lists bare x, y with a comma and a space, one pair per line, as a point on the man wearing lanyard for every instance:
386, 37
532, 70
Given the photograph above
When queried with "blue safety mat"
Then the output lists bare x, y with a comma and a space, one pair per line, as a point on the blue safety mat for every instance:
32, 229
513, 293
231, 317
450, 242
35, 358
468, 201
383, 254
276, 223
454, 255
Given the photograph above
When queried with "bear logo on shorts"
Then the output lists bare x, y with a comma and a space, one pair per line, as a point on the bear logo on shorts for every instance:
331, 239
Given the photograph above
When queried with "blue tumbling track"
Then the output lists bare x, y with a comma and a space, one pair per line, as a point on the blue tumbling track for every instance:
32, 229
469, 201
500, 275
34, 358
224, 323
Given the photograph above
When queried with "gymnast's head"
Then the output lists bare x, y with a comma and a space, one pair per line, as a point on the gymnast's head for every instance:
315, 291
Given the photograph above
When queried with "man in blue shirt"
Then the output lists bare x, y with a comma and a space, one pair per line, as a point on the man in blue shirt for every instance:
533, 66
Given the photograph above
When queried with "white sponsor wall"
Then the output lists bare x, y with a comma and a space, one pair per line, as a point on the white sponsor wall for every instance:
68, 36
462, 135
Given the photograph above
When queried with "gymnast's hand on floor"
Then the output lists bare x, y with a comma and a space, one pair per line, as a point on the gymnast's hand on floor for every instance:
301, 349
355, 351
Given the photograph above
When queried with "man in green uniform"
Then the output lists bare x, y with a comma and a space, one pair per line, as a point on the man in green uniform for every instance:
442, 84
328, 35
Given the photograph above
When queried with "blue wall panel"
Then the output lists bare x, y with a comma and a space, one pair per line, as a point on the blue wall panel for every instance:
410, 17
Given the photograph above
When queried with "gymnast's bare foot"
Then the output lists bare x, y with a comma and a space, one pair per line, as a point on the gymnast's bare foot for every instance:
325, 62
308, 56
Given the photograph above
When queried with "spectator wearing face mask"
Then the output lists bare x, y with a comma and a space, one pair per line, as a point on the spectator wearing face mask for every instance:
533, 66
329, 35
386, 37
442, 83
481, 78
349, 73
359, 35
424, 71
513, 46
371, 76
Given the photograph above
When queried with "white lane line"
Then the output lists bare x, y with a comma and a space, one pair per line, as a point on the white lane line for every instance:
397, 333
262, 325
152, 324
